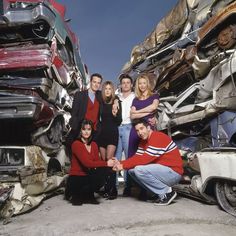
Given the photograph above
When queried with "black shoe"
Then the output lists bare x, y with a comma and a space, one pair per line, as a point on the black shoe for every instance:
169, 197
76, 201
126, 192
93, 201
90, 199
112, 194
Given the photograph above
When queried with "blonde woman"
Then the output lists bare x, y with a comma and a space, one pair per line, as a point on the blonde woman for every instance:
108, 138
144, 106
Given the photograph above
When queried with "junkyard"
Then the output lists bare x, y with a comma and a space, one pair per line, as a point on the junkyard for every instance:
190, 58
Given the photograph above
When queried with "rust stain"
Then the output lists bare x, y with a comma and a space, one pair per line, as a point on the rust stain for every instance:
215, 20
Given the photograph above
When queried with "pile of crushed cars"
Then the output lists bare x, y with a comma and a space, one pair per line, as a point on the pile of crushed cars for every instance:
191, 59
40, 70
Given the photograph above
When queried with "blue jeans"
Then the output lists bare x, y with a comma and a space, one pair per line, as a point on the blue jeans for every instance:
156, 178
123, 142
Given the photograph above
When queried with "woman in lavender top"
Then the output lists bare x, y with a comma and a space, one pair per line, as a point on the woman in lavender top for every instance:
144, 106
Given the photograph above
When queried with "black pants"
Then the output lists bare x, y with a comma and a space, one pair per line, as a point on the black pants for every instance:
110, 184
82, 186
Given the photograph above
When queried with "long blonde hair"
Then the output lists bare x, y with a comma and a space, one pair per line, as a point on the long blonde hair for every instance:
136, 89
104, 98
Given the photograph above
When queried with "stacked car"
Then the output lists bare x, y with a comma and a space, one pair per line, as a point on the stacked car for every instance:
190, 57
40, 70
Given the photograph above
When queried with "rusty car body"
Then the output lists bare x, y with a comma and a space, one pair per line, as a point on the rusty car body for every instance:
194, 72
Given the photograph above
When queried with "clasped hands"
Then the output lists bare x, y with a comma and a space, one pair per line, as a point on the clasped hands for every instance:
115, 164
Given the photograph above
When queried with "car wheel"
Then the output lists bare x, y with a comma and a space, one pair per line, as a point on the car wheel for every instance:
226, 196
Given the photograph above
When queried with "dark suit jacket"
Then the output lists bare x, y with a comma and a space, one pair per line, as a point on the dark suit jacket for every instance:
79, 108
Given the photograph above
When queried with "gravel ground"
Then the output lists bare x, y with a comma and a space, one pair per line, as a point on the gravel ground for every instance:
123, 216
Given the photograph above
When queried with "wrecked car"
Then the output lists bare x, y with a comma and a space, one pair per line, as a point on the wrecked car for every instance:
27, 176
194, 72
40, 70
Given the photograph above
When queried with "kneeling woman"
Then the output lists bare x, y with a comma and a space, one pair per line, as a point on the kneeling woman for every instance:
88, 172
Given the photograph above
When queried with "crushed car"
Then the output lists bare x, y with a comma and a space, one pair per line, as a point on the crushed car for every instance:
192, 67
28, 176
40, 70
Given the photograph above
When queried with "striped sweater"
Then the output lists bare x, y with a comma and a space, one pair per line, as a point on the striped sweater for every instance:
159, 149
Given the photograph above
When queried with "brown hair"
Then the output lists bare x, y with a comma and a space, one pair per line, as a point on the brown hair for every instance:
140, 121
136, 89
104, 98
96, 75
125, 76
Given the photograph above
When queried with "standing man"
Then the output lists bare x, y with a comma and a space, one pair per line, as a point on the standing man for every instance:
86, 105
126, 97
157, 164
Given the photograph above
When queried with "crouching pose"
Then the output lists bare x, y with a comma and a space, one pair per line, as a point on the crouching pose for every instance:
157, 164
88, 172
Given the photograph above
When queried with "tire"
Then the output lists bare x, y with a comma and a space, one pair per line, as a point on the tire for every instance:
226, 196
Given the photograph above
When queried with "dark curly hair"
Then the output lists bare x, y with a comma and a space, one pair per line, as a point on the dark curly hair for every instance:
83, 124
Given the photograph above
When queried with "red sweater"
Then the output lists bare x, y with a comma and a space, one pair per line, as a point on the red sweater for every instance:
159, 149
92, 112
82, 159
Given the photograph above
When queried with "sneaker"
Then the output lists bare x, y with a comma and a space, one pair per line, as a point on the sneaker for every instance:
169, 197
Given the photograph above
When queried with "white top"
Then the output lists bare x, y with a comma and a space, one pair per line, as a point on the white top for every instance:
126, 106
91, 96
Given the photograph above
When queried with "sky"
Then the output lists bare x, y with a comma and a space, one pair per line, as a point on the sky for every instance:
109, 29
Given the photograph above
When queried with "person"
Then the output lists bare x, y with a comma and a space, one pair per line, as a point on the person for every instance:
86, 105
157, 164
87, 172
144, 106
108, 137
126, 97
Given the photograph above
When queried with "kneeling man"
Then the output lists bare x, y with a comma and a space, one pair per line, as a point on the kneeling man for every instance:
157, 164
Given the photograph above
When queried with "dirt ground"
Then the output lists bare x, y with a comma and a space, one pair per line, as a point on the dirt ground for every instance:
123, 216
